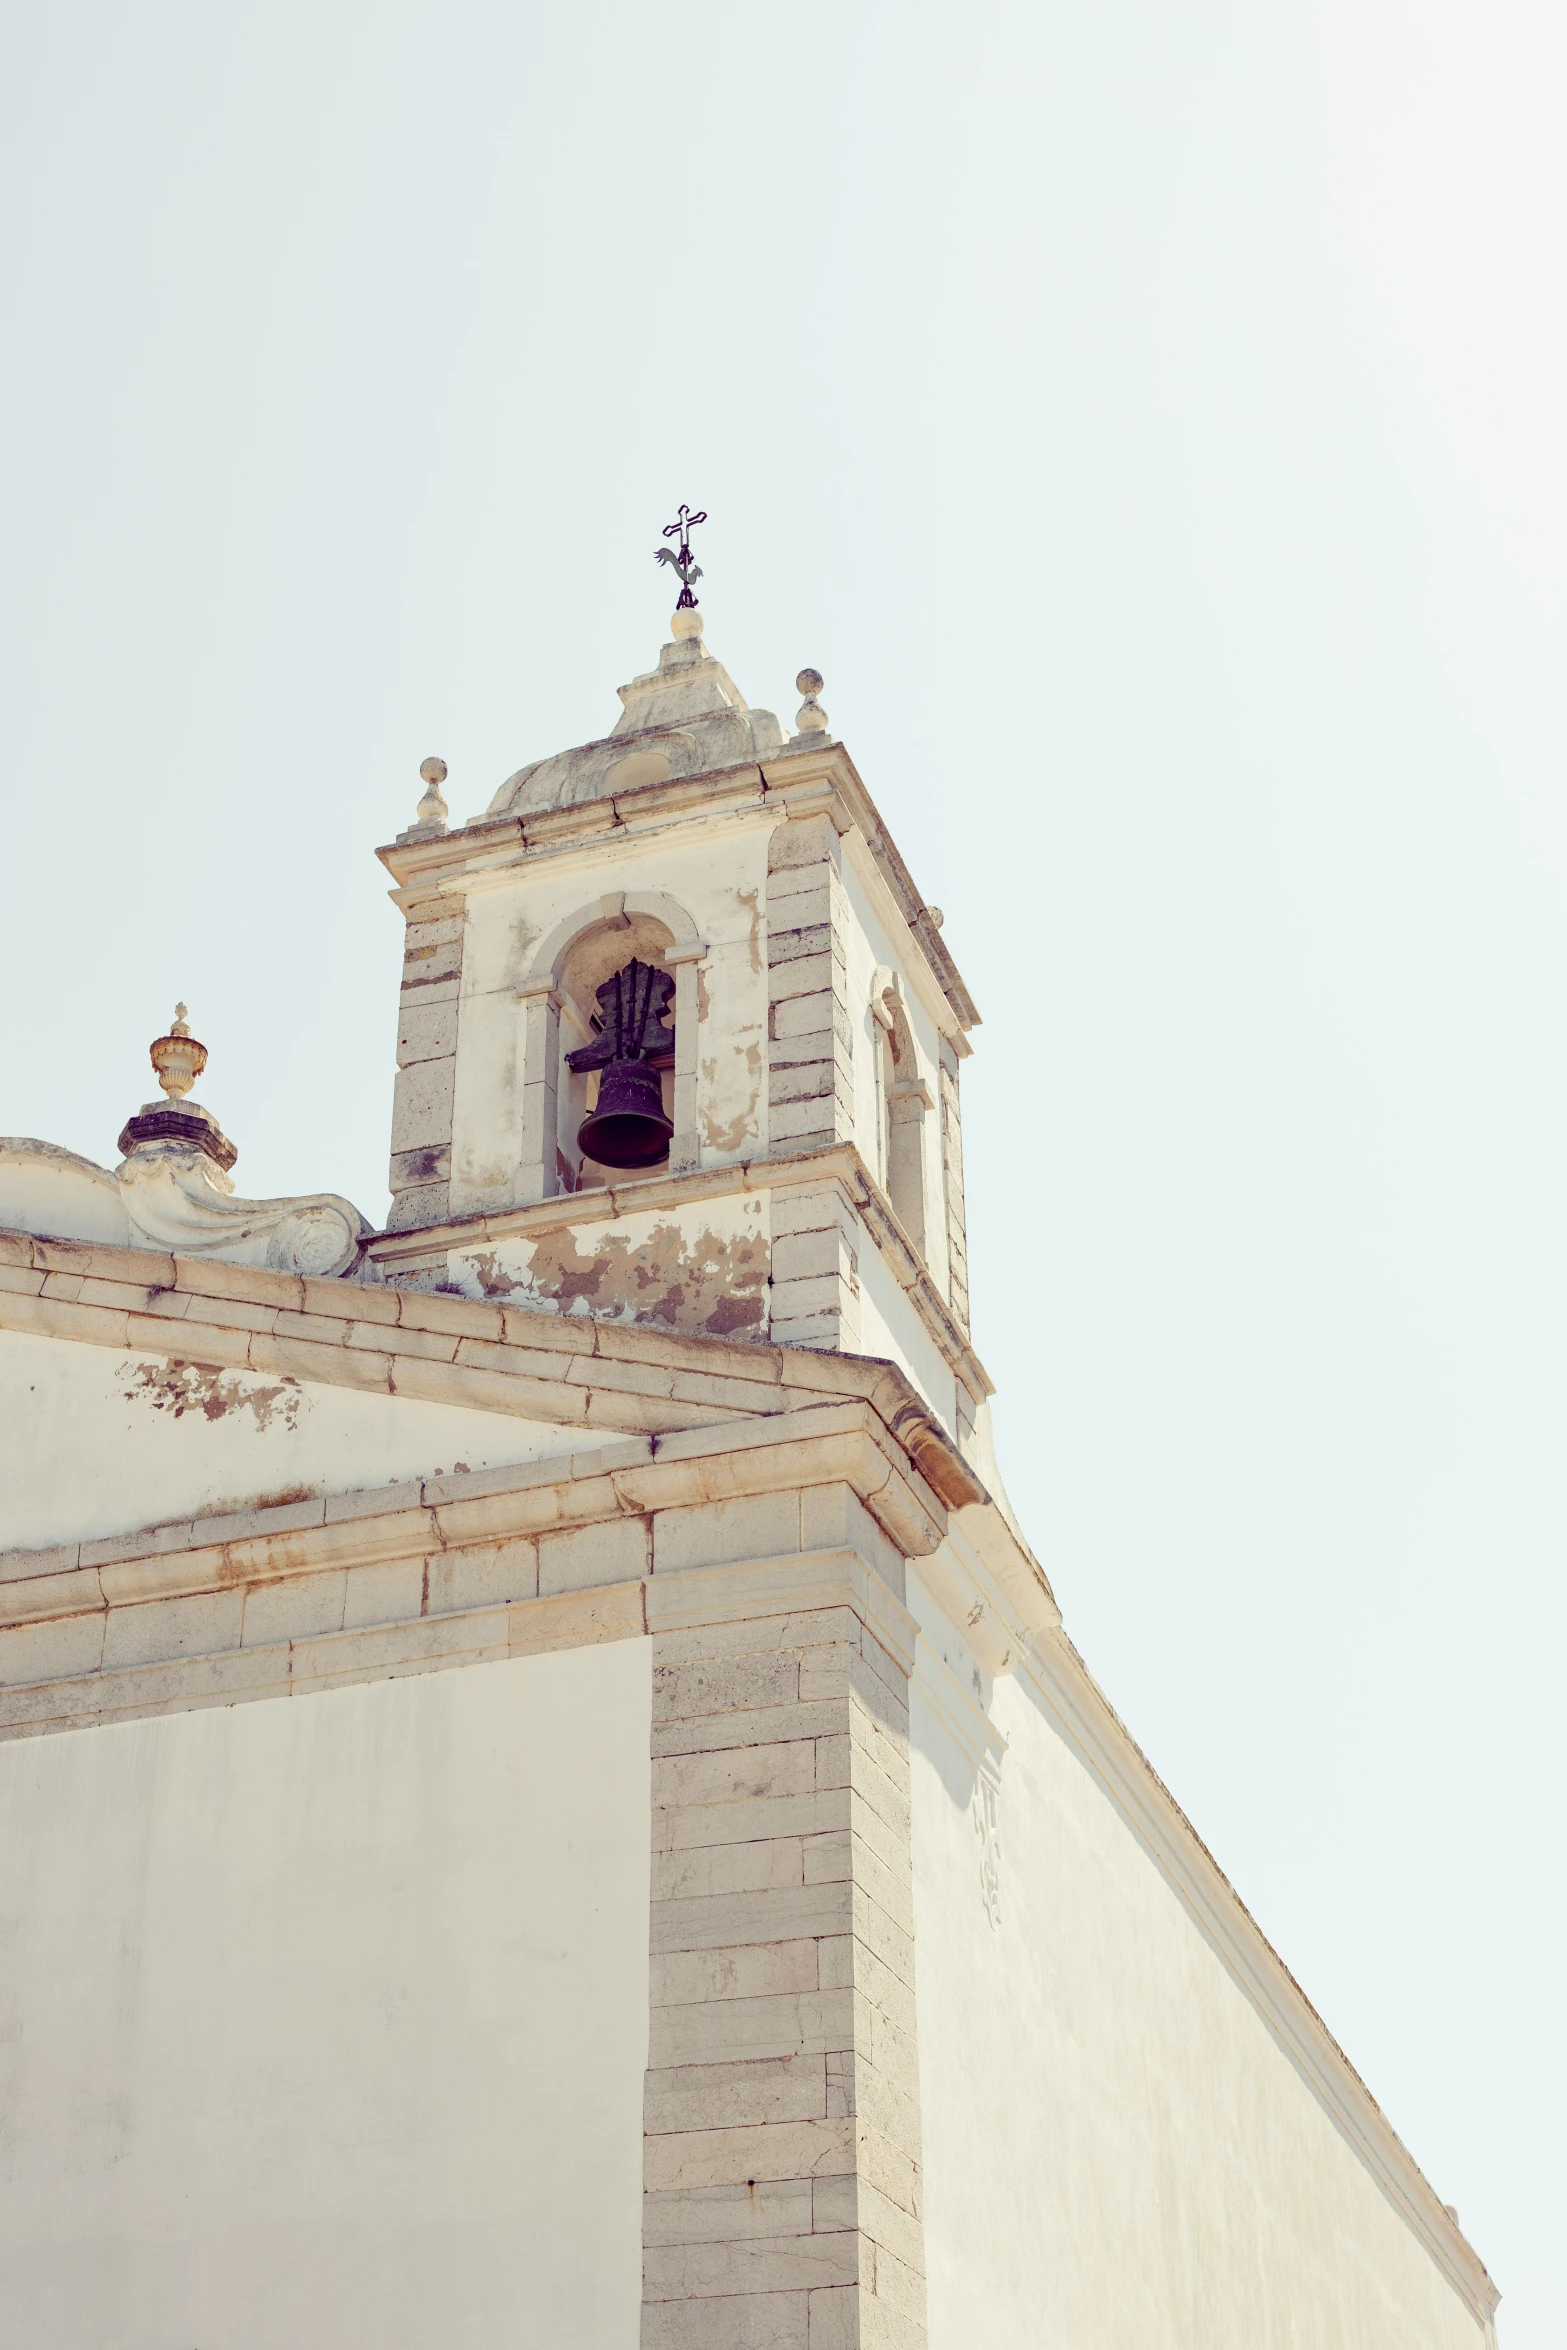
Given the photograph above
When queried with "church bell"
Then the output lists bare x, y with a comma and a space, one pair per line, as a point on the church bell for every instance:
628, 1128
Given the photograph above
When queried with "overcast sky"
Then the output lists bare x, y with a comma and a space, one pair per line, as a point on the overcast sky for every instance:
1149, 418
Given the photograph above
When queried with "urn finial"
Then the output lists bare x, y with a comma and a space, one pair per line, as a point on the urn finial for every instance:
178, 1057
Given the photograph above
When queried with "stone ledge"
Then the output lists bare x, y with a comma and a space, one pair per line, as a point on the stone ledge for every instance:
829, 1444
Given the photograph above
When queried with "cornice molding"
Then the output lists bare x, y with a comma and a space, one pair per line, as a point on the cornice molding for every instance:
608, 1203
482, 853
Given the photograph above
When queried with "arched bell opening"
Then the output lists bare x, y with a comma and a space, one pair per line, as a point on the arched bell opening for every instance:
609, 1114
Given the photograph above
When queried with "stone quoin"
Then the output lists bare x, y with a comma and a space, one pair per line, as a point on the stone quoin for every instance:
703, 1901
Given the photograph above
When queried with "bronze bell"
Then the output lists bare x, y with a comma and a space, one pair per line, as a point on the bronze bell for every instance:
634, 1041
628, 1128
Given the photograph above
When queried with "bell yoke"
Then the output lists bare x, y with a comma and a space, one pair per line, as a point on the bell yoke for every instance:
628, 1127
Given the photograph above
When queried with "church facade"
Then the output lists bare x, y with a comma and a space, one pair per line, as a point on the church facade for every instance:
545, 1796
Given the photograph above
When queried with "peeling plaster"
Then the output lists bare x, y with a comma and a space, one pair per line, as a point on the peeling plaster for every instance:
179, 1388
727, 1134
712, 1283
751, 899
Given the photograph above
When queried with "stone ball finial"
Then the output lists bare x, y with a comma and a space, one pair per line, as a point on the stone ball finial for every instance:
178, 1057
432, 808
937, 917
811, 718
686, 623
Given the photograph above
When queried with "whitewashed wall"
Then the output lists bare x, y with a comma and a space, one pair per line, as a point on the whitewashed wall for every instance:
94, 1442
324, 2023
1117, 2153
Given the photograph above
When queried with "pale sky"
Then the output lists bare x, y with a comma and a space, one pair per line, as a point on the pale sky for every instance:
1150, 420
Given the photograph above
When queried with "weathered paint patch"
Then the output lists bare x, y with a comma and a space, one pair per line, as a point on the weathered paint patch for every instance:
727, 1134
178, 1388
704, 1281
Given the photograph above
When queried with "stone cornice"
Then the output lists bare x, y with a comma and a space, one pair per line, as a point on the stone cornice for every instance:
822, 1444
839, 1162
568, 1370
472, 854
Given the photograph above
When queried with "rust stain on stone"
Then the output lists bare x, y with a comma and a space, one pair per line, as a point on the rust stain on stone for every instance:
707, 1284
178, 1388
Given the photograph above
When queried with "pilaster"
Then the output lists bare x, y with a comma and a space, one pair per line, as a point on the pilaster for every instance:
810, 1035
782, 2162
419, 1177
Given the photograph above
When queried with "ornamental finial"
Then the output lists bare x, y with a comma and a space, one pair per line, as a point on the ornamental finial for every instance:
178, 1058
811, 718
432, 808
685, 568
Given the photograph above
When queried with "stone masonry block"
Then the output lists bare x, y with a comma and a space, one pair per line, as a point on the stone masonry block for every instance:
746, 1971
729, 2096
713, 2215
816, 1008
728, 2321
54, 1650
810, 1256
490, 1574
805, 840
812, 1209
734, 2157
716, 1533
422, 1105
614, 1551
728, 1868
817, 1044
721, 1685
802, 1081
792, 1767
744, 2029
430, 1203
810, 975
764, 2264
787, 946
297, 1609
796, 1300
798, 1123
432, 1163
723, 1920
164, 1629
426, 1032
765, 1817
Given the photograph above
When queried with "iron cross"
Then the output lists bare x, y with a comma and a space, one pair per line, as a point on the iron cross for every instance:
681, 564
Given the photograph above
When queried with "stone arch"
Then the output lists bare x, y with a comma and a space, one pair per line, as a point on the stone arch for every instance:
544, 976
547, 962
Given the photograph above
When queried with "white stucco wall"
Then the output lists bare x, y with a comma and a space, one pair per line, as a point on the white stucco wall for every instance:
1118, 2155
324, 2023
94, 1442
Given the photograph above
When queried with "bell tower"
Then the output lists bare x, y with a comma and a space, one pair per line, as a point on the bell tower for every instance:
680, 1040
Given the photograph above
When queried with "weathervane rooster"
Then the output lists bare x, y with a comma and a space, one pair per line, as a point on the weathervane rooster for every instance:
681, 563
